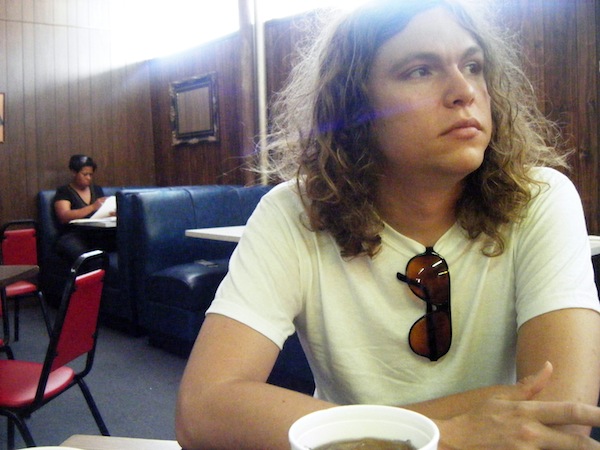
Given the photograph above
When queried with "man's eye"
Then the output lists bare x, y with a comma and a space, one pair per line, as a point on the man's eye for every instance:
474, 67
419, 72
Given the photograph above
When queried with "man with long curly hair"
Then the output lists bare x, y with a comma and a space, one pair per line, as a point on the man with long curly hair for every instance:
422, 244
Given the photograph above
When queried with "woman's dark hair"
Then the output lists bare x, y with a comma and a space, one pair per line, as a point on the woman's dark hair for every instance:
78, 162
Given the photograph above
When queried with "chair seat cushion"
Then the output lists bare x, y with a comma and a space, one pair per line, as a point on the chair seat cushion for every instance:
19, 381
190, 286
20, 288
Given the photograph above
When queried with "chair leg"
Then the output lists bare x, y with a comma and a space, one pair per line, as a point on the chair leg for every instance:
9, 353
10, 434
12, 420
17, 308
93, 408
44, 307
5, 317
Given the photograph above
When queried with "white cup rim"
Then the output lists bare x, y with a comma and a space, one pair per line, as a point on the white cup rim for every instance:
356, 413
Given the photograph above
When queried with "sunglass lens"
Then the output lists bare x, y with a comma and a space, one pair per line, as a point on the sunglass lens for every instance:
431, 335
431, 272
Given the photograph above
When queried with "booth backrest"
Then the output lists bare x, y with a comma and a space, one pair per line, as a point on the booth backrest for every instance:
162, 216
127, 244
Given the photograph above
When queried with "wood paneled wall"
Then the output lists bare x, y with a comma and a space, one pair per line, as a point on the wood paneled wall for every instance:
559, 41
68, 91
206, 162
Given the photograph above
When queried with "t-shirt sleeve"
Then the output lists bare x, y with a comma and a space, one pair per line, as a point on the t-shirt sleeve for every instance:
62, 193
553, 262
263, 288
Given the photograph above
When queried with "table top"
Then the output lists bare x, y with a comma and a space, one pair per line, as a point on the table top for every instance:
90, 442
233, 234
595, 245
9, 274
229, 234
106, 222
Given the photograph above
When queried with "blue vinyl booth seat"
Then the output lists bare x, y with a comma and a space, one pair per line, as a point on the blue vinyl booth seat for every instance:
158, 281
180, 284
179, 287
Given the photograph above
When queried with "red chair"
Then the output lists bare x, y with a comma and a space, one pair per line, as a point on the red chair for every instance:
19, 246
27, 386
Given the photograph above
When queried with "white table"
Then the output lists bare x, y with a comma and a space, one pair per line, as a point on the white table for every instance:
595, 245
107, 222
228, 234
233, 234
85, 442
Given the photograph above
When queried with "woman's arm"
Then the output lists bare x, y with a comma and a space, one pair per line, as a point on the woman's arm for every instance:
65, 214
224, 400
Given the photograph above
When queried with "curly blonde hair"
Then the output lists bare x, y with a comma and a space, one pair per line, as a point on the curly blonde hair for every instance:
321, 130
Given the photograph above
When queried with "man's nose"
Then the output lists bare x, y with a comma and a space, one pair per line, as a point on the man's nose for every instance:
459, 91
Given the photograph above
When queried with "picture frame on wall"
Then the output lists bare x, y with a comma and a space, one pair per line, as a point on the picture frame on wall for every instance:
2, 118
194, 110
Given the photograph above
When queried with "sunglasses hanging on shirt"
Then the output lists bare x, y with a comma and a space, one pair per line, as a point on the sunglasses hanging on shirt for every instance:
428, 277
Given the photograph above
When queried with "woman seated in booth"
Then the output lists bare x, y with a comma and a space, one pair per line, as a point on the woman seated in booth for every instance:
80, 199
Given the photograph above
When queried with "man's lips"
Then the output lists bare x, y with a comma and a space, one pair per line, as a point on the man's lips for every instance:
465, 124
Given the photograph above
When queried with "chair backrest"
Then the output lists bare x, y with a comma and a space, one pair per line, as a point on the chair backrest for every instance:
76, 323
19, 245
78, 333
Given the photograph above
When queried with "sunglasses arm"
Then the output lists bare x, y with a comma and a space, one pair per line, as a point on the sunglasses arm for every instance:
407, 280
415, 283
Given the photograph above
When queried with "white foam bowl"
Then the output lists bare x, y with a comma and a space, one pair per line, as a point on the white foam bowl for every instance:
361, 421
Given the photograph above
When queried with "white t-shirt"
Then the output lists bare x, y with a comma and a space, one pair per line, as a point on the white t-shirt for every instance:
353, 316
